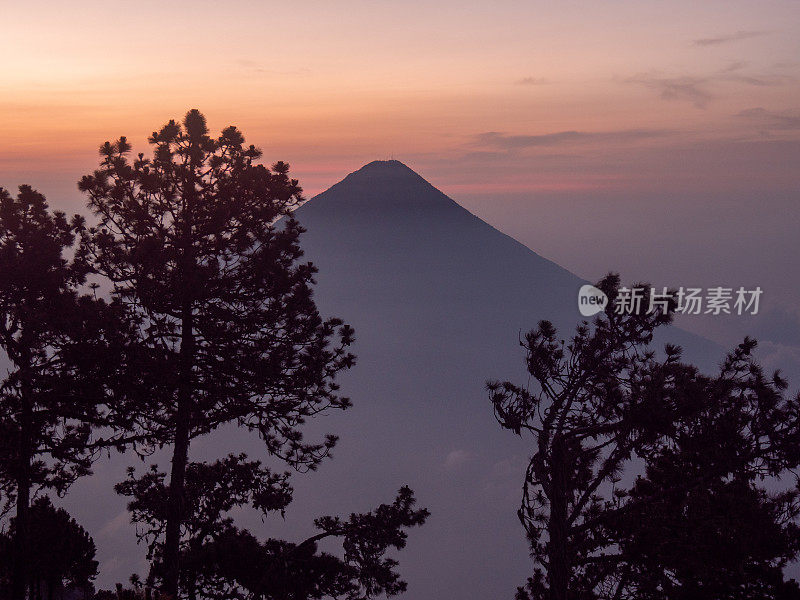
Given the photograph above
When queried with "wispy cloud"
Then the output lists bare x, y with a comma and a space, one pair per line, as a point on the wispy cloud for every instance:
456, 459
734, 66
691, 89
114, 525
733, 72
532, 81
726, 39
769, 119
759, 80
505, 141
695, 89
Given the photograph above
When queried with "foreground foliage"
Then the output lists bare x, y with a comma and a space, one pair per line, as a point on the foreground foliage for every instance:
700, 522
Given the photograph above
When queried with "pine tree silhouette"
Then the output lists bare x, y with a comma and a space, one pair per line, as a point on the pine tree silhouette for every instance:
200, 242
700, 522
66, 350
603, 399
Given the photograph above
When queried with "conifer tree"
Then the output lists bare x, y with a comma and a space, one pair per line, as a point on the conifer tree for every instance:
200, 242
710, 517
65, 349
587, 415
602, 400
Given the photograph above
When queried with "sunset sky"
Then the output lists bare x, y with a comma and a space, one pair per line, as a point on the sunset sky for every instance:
563, 94
656, 138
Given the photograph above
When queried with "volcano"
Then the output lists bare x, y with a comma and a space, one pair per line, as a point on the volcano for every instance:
439, 300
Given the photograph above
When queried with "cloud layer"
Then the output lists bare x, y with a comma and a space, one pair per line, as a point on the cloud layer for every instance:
726, 39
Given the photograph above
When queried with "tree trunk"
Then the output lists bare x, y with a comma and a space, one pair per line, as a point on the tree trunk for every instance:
558, 571
180, 457
183, 415
21, 572
21, 537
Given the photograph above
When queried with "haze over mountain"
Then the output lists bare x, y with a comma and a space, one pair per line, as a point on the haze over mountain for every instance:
438, 299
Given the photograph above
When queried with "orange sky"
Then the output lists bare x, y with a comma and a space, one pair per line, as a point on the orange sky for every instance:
329, 86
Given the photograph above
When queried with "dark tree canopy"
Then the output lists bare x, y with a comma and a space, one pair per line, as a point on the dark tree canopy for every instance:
200, 242
602, 401
702, 520
65, 349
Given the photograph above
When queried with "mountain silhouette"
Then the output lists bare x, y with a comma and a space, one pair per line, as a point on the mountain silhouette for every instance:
438, 299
